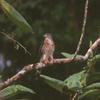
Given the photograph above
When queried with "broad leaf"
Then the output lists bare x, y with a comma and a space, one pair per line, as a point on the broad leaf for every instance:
96, 58
90, 95
67, 55
15, 16
76, 81
54, 83
93, 86
14, 90
91, 92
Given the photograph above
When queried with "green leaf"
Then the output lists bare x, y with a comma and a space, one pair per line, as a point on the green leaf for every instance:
67, 55
96, 58
15, 16
90, 95
93, 86
91, 92
14, 90
76, 81
54, 83
95, 77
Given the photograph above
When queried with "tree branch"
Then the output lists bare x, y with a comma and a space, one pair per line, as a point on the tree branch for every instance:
40, 65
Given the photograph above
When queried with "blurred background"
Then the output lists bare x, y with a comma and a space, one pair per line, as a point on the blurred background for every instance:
63, 19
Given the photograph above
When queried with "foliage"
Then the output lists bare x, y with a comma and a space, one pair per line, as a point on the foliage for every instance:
52, 16
15, 16
77, 83
55, 83
67, 55
14, 90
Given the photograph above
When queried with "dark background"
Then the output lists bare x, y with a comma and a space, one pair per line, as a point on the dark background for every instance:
62, 18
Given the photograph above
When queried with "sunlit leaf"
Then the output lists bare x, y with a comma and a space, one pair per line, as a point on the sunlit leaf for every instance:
54, 83
67, 55
14, 90
15, 16
76, 81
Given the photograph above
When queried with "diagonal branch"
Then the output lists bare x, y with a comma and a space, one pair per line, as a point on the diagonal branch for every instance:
41, 65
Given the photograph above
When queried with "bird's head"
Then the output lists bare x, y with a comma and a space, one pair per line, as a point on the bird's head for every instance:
47, 35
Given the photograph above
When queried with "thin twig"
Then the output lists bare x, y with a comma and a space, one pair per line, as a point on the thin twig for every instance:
75, 96
92, 48
15, 41
83, 28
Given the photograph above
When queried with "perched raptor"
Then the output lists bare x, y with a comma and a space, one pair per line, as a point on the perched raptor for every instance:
47, 49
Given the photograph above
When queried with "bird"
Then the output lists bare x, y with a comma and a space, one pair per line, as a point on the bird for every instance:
47, 49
